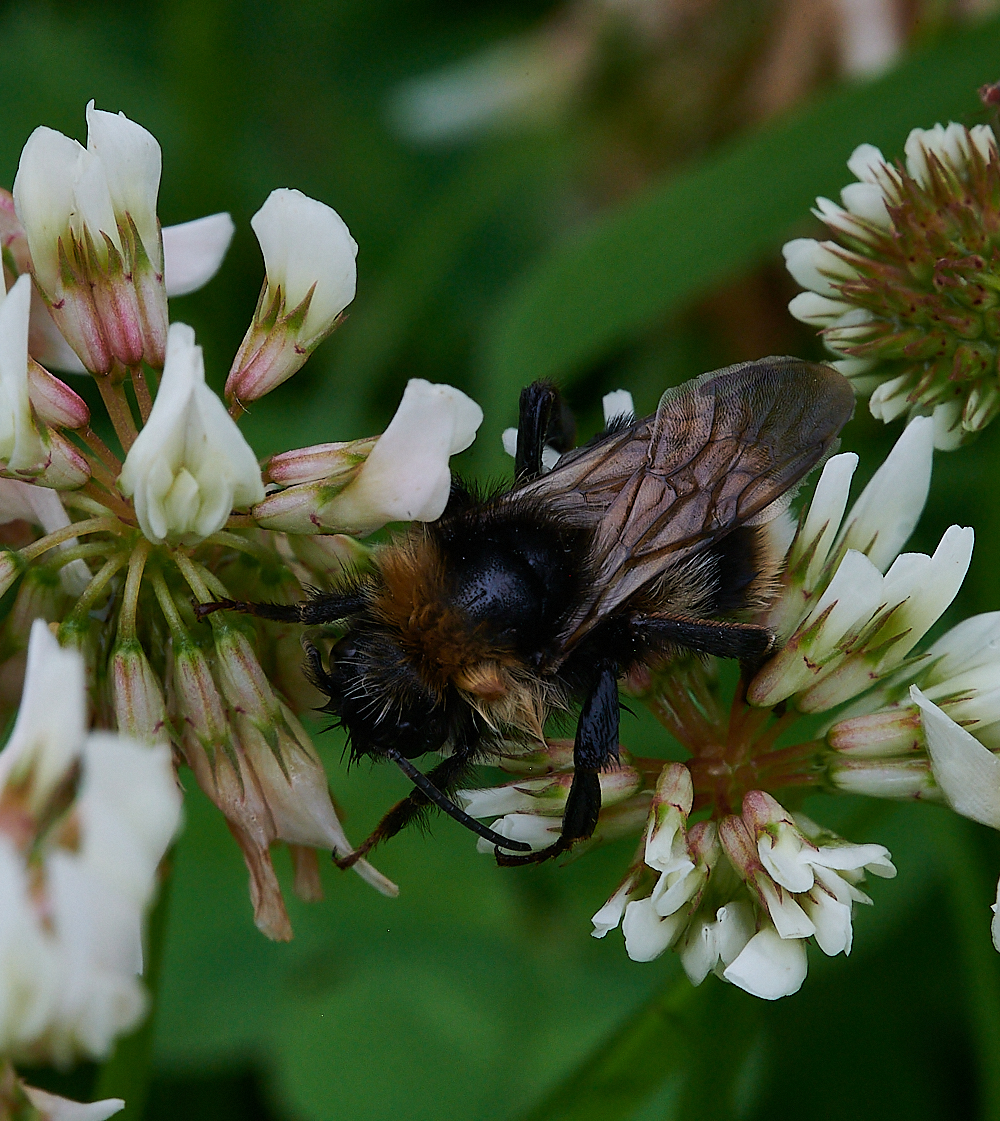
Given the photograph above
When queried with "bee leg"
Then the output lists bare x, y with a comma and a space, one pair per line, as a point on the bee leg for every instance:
594, 750
319, 608
431, 790
749, 643
543, 418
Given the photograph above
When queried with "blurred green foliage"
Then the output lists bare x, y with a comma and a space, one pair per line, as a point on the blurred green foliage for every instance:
478, 993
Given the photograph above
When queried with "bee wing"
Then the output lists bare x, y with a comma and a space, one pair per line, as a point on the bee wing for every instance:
717, 452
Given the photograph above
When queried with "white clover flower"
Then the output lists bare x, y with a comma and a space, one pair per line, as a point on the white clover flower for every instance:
404, 478
190, 465
901, 296
70, 943
311, 276
849, 625
51, 1107
89, 215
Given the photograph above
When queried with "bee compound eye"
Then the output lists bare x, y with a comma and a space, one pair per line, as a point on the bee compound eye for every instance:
345, 649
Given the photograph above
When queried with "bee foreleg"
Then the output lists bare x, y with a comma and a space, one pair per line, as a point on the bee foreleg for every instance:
543, 419
431, 789
594, 750
320, 608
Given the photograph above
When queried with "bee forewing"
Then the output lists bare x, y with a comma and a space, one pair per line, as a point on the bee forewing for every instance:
716, 453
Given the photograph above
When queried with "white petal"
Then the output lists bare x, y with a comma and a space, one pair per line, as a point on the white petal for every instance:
967, 773
867, 163
867, 200
54, 1108
406, 477
884, 516
769, 967
193, 252
131, 159
851, 857
826, 511
647, 935
788, 917
816, 264
948, 431
44, 198
21, 447
832, 919
816, 310
928, 588
617, 404
995, 924
610, 915
785, 860
531, 828
891, 399
129, 808
509, 438
306, 242
49, 730
973, 643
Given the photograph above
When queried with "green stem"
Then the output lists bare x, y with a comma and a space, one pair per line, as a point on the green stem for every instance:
241, 545
127, 1073
75, 529
169, 608
143, 397
130, 597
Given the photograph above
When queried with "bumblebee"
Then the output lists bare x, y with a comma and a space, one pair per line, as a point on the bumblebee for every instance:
645, 542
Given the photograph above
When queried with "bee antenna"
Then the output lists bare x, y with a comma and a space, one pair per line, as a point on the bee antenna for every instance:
426, 787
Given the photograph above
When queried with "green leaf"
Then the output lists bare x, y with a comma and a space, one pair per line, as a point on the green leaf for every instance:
659, 251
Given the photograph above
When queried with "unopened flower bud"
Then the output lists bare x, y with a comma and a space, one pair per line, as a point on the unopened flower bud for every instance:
190, 465
136, 694
54, 401
331, 463
885, 778
311, 277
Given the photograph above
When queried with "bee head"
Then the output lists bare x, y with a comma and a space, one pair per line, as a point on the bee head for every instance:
381, 701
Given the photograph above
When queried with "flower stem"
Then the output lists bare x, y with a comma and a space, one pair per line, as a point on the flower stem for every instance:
142, 395
118, 409
101, 450
169, 608
94, 589
110, 499
127, 1072
74, 529
130, 597
240, 544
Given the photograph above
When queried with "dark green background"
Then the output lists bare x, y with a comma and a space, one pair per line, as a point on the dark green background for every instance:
479, 991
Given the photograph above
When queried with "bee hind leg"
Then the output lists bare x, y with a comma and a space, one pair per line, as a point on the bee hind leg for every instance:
594, 750
543, 418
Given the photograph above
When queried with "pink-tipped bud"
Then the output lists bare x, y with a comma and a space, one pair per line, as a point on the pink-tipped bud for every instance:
54, 401
333, 463
243, 681
885, 778
136, 694
196, 705
897, 731
299, 509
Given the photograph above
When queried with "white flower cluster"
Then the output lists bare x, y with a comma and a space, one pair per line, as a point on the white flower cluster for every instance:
741, 896
861, 221
78, 865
